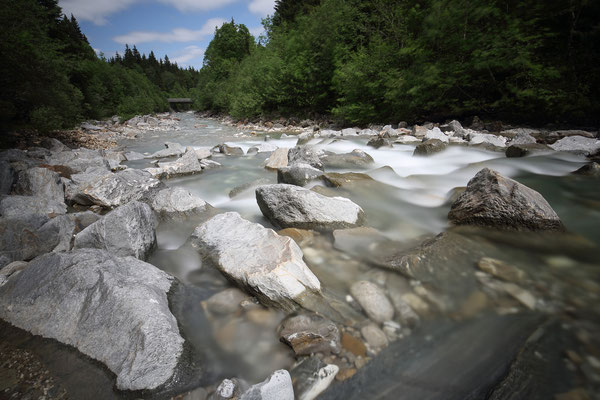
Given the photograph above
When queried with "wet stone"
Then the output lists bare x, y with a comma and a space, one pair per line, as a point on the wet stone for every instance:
311, 377
310, 333
226, 302
374, 336
373, 300
353, 345
501, 270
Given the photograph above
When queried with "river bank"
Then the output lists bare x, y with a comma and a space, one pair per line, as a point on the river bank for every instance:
345, 252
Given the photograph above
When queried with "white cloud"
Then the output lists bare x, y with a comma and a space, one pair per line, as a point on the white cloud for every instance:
97, 10
198, 5
261, 7
187, 54
94, 10
176, 35
256, 31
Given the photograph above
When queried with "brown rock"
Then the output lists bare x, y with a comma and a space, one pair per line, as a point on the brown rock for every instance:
501, 270
353, 345
345, 373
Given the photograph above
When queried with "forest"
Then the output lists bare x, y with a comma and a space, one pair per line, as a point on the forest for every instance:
391, 60
51, 78
358, 62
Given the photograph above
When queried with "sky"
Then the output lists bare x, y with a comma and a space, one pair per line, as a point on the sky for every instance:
181, 29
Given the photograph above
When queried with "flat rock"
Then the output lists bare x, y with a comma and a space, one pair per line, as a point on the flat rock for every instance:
79, 160
278, 386
171, 150
112, 309
256, 258
355, 159
336, 179
278, 159
429, 147
501, 270
500, 202
41, 182
128, 230
186, 165
577, 144
406, 139
228, 150
115, 189
134, 156
310, 333
487, 139
305, 154
298, 174
15, 205
373, 300
291, 206
430, 363
201, 153
264, 147
178, 203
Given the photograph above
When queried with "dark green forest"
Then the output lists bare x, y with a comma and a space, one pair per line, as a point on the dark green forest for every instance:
355, 61
51, 77
391, 60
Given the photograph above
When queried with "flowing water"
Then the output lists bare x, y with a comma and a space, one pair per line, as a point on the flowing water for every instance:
407, 201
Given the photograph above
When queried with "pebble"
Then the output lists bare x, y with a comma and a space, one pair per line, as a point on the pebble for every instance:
373, 300
374, 336
353, 345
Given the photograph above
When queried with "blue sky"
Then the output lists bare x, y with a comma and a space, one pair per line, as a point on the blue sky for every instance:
180, 28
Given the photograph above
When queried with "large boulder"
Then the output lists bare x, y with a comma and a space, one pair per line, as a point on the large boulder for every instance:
577, 144
178, 203
186, 165
268, 265
112, 309
487, 139
79, 160
171, 150
436, 133
22, 205
298, 174
356, 158
41, 182
291, 206
429, 147
115, 189
305, 154
277, 159
128, 230
500, 202
525, 149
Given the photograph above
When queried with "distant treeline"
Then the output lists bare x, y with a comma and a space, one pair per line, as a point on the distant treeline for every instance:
51, 78
390, 60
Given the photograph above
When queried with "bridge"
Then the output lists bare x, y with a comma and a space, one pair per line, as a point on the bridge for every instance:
176, 103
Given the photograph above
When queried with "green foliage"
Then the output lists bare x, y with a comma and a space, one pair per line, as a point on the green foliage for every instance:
51, 78
382, 60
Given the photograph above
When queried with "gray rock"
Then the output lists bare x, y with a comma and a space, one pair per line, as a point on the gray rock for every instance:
356, 158
11, 269
256, 258
522, 137
128, 230
209, 164
312, 377
522, 150
454, 128
487, 138
278, 386
499, 202
226, 301
21, 205
305, 155
171, 150
115, 189
186, 165
406, 139
373, 300
278, 159
134, 156
298, 174
436, 370
291, 206
41, 182
114, 159
436, 133
54, 145
228, 150
378, 142
201, 154
336, 179
79, 160
310, 333
178, 203
229, 389
577, 144
112, 309
429, 147
89, 127
374, 336
20, 238
350, 132
305, 137
7, 177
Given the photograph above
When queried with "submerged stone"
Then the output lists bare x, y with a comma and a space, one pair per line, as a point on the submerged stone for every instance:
310, 333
